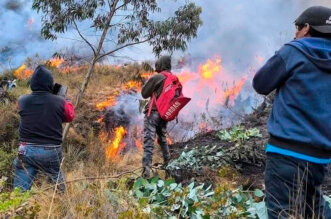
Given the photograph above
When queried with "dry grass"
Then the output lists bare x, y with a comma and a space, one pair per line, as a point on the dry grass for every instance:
98, 198
83, 152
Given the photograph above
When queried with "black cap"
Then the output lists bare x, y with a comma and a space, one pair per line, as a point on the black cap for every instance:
318, 17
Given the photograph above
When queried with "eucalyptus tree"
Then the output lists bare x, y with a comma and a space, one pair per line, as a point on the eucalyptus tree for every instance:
117, 24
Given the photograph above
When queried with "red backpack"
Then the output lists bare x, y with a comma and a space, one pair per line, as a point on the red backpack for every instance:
171, 99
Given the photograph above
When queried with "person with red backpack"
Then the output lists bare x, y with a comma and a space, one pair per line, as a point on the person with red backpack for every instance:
166, 100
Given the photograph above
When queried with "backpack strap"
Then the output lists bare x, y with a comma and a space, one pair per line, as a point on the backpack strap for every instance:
165, 74
151, 103
153, 100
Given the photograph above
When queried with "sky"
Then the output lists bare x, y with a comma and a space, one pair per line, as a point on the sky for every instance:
238, 31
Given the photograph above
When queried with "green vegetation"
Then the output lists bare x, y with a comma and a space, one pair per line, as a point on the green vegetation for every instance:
239, 134
15, 205
197, 158
167, 199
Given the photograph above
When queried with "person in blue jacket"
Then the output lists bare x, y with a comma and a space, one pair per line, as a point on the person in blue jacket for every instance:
299, 148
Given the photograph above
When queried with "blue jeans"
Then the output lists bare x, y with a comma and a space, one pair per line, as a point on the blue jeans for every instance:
38, 159
293, 187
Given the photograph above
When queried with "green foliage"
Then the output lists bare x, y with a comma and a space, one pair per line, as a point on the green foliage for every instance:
135, 26
239, 134
199, 157
167, 199
15, 204
12, 200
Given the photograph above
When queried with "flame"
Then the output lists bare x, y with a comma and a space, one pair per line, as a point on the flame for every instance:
111, 101
132, 85
203, 125
55, 62
23, 72
146, 75
139, 144
233, 92
185, 77
210, 68
100, 120
169, 140
116, 145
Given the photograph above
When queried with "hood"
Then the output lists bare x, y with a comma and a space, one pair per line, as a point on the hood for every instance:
163, 64
317, 50
42, 80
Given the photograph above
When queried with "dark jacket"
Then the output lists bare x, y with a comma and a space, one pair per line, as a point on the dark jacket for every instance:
156, 82
42, 113
300, 120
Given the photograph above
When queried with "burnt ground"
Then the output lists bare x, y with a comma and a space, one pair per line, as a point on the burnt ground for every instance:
250, 167
251, 171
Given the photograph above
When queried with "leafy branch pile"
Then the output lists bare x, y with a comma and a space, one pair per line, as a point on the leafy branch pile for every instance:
194, 160
197, 158
167, 199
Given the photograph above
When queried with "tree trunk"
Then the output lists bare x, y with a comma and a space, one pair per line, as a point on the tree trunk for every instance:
92, 64
80, 94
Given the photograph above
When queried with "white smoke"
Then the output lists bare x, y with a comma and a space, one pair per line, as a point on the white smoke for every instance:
237, 30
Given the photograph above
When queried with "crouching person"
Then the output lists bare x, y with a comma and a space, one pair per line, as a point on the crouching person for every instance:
40, 133
153, 123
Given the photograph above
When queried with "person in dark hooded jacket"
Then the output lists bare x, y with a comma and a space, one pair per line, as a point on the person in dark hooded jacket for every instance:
40, 132
154, 124
299, 148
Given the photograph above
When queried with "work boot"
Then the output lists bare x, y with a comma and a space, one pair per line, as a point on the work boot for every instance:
147, 172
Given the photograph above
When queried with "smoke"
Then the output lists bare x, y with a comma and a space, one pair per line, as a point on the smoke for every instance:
237, 30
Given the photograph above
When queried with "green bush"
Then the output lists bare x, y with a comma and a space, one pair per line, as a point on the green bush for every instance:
238, 134
15, 205
6, 162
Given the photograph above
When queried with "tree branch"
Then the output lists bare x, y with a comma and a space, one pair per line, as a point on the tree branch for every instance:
121, 47
94, 178
86, 41
121, 6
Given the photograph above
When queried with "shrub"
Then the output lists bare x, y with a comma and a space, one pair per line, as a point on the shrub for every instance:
238, 134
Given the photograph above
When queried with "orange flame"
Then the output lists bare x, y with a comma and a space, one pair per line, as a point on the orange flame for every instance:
55, 62
210, 68
169, 140
100, 120
233, 92
116, 145
111, 101
203, 125
139, 144
132, 85
146, 75
23, 72
185, 77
